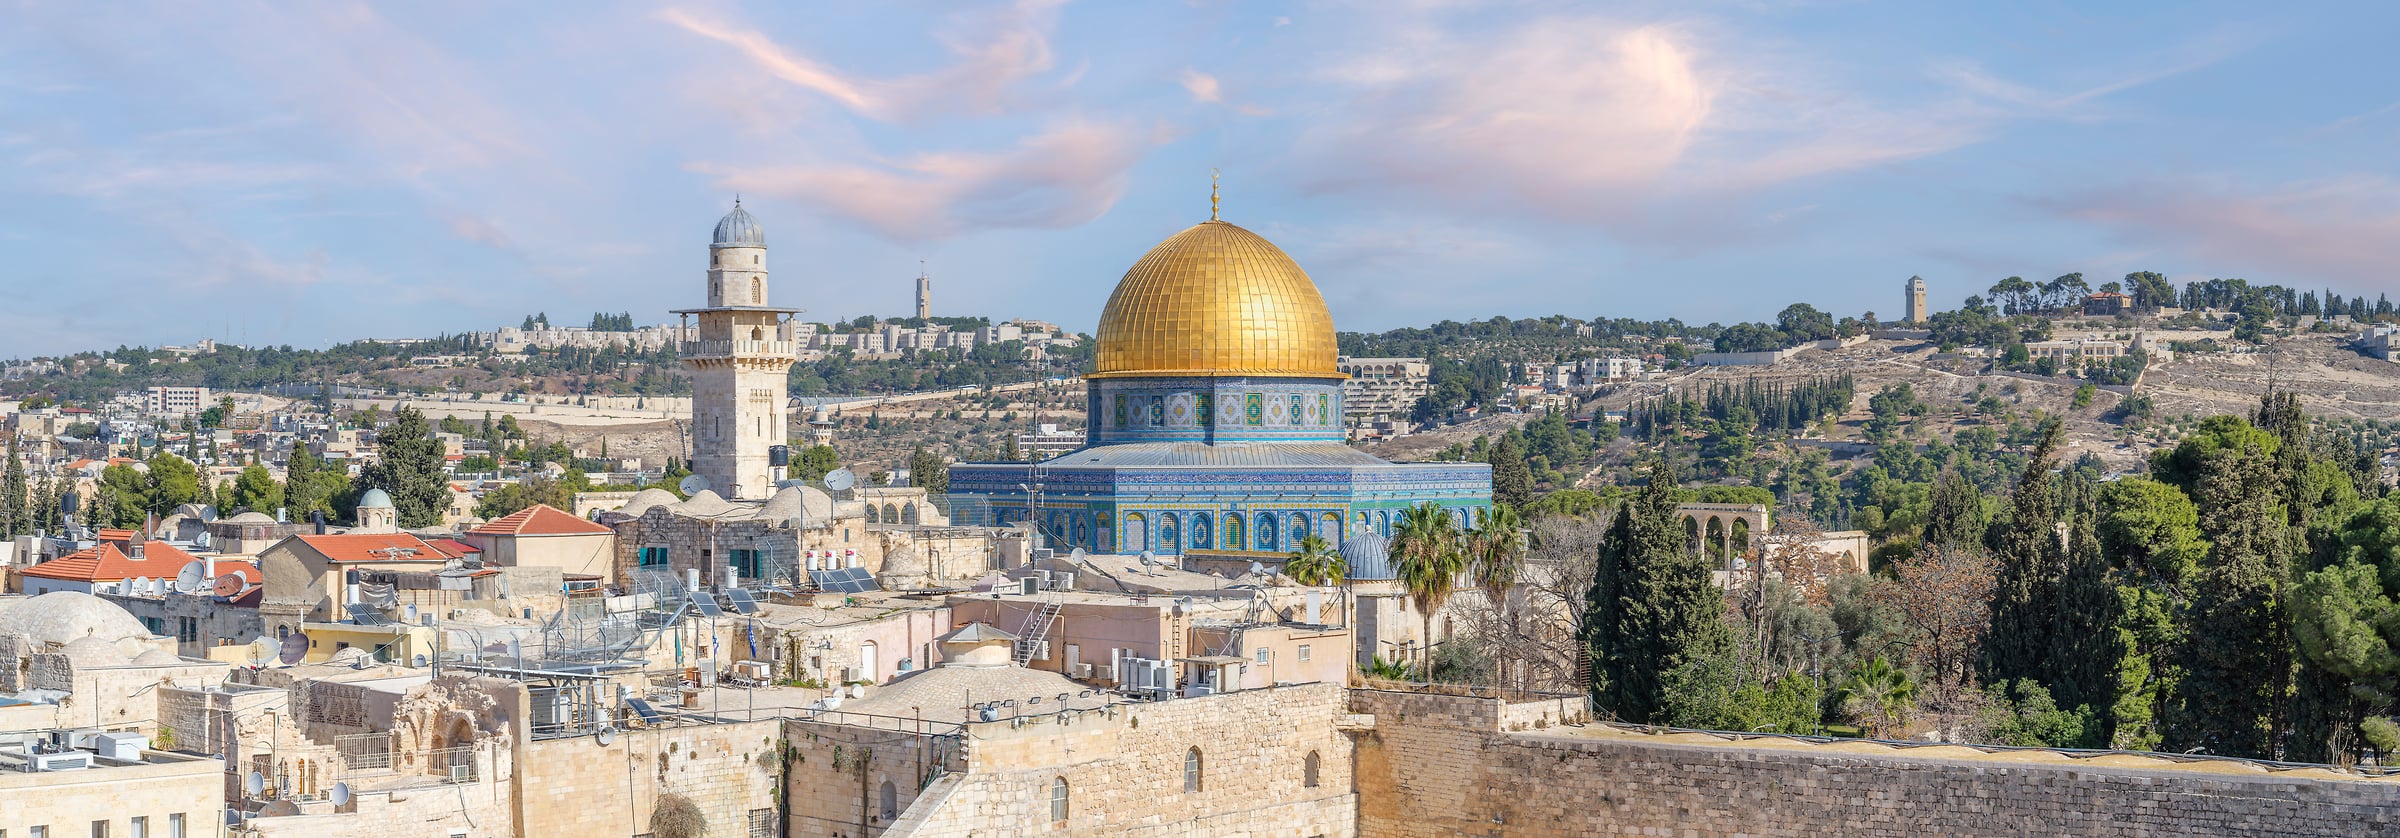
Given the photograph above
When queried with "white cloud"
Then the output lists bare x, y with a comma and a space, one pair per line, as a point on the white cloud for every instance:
993, 52
2344, 228
1203, 87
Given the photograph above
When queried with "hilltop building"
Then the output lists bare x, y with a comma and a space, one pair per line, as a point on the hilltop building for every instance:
739, 362
1913, 306
924, 297
1216, 408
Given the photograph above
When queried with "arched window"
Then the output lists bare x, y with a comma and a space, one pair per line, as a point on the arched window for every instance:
908, 514
1299, 528
1170, 536
1308, 771
1203, 531
758, 291
1266, 530
1191, 771
891, 515
1330, 528
1383, 523
1233, 531
1058, 799
891, 796
1137, 532
872, 516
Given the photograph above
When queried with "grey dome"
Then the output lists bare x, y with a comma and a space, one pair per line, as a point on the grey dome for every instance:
738, 229
374, 499
1369, 556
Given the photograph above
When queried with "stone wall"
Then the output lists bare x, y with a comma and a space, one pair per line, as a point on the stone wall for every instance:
577, 786
1441, 766
68, 802
1124, 772
836, 774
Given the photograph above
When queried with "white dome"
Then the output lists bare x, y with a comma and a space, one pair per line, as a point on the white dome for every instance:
157, 657
61, 617
90, 652
646, 498
704, 502
808, 505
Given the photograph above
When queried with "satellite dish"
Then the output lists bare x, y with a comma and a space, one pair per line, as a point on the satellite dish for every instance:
188, 579
1149, 558
1257, 569
295, 647
604, 736
1076, 554
229, 585
262, 650
139, 586
841, 479
254, 784
693, 485
340, 794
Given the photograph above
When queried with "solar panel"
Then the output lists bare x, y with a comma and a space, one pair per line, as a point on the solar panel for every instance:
706, 605
742, 603
643, 709
366, 615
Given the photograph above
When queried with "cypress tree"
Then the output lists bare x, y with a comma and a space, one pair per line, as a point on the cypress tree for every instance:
1653, 606
14, 517
1956, 517
2085, 646
2235, 663
2025, 599
1512, 480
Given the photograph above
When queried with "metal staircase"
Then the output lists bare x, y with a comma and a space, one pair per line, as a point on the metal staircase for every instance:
1036, 629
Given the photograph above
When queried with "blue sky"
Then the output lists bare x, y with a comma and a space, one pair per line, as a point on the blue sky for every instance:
314, 172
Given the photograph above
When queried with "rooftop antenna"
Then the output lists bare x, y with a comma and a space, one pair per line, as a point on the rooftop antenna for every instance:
1212, 194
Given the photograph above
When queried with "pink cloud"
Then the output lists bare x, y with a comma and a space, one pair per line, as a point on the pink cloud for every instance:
993, 52
2344, 228
1064, 176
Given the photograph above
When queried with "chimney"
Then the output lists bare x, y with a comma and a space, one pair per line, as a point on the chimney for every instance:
317, 517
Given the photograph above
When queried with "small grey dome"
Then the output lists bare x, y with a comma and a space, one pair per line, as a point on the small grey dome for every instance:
1369, 556
738, 229
374, 499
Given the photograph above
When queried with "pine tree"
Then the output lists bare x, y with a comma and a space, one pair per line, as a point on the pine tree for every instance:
408, 466
2030, 564
1512, 480
2085, 647
1653, 606
2236, 664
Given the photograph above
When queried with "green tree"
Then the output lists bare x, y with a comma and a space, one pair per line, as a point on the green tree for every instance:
1316, 563
2018, 644
172, 482
1512, 481
1428, 557
2022, 713
308, 486
1956, 516
254, 490
15, 492
1496, 551
1878, 695
2236, 662
1652, 607
408, 466
926, 470
815, 461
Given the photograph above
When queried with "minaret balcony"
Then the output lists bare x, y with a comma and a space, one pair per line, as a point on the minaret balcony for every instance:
738, 348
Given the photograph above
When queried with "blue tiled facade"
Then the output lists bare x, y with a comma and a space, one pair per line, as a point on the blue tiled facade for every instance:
1212, 463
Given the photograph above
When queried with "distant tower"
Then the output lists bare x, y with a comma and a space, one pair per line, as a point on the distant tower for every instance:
1916, 301
924, 296
738, 362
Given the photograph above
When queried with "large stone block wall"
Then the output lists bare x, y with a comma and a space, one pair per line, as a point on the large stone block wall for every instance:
576, 786
1125, 772
68, 802
1443, 766
835, 775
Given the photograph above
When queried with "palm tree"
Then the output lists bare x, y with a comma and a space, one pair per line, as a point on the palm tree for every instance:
1427, 556
1496, 551
1381, 669
1316, 563
1878, 694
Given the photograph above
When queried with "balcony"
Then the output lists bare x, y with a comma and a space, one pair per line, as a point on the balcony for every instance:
737, 348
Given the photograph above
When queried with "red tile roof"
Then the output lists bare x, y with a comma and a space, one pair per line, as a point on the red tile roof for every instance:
110, 562
540, 519
359, 548
455, 546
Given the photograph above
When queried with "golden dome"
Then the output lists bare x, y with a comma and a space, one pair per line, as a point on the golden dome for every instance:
1216, 299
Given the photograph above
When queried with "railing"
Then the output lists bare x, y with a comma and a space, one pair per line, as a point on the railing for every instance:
725, 348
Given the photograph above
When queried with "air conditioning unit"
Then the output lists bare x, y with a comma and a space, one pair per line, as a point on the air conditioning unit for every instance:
1083, 671
122, 747
1041, 650
1029, 586
1103, 672
68, 761
462, 773
1062, 581
849, 674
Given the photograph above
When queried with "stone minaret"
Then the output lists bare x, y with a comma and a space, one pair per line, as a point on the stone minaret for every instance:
924, 296
738, 364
